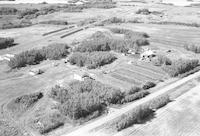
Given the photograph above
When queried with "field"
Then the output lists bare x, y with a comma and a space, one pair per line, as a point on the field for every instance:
127, 71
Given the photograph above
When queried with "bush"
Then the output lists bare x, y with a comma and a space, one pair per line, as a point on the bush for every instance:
91, 60
6, 42
192, 47
32, 57
161, 60
148, 85
180, 66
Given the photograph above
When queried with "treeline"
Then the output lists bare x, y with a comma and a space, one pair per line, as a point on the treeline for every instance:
53, 52
89, 98
139, 114
6, 42
180, 66
20, 24
91, 60
99, 41
8, 11
175, 67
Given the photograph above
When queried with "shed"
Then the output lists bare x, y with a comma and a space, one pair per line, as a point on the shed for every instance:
148, 54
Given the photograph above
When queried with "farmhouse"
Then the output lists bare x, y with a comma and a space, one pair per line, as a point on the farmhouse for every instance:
83, 76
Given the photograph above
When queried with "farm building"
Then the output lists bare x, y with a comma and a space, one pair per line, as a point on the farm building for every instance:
147, 55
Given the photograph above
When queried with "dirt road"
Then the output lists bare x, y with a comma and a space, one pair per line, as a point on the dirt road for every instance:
84, 131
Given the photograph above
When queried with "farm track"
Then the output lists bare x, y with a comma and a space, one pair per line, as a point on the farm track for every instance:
89, 127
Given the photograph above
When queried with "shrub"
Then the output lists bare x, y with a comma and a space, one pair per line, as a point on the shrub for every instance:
32, 57
6, 42
135, 96
192, 47
143, 11
180, 66
148, 85
161, 60
133, 90
91, 60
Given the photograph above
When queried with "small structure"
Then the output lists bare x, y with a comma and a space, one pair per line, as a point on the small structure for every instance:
35, 72
83, 76
147, 55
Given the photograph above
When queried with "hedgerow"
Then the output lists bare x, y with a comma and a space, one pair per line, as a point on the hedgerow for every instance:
148, 85
143, 11
180, 66
135, 96
35, 56
6, 42
91, 60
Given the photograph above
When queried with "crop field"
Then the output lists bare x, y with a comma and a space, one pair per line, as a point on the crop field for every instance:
137, 74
